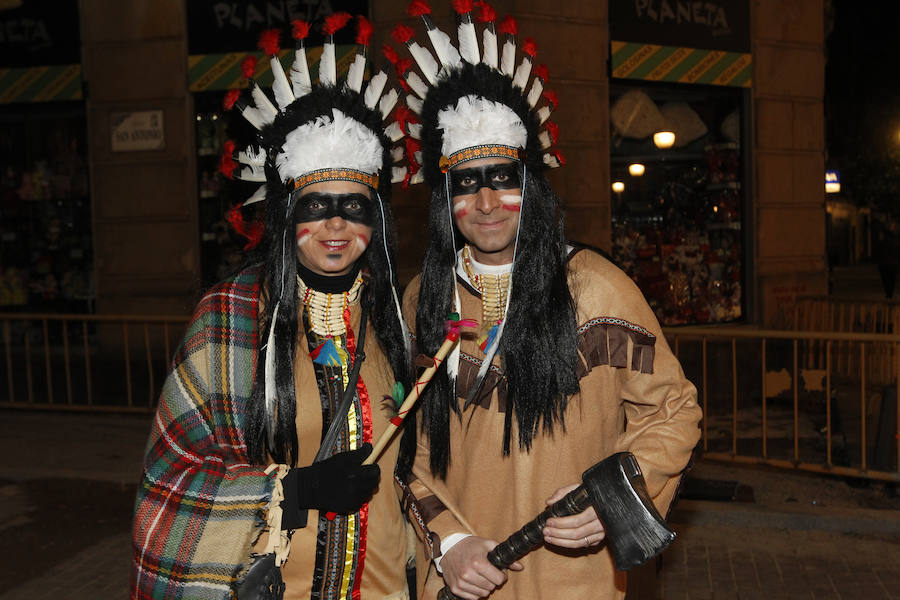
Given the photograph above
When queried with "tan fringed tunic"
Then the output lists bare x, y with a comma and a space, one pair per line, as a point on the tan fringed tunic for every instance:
634, 397
377, 548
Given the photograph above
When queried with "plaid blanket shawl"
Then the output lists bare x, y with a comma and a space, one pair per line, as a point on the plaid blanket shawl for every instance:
200, 504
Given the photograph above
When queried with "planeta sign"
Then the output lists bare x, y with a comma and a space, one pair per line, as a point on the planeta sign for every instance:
707, 24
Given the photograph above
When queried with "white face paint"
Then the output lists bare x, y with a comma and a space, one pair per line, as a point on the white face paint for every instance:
459, 205
303, 237
512, 202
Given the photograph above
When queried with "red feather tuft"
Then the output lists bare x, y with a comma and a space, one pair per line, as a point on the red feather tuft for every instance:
364, 30
559, 156
552, 98
228, 147
335, 22
417, 8
542, 72
508, 26
227, 164
231, 96
463, 6
248, 66
402, 33
487, 13
529, 47
299, 29
269, 42
553, 130
403, 65
403, 116
252, 231
390, 54
254, 235
412, 146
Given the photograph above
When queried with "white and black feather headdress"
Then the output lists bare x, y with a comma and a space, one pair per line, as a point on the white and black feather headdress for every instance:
306, 133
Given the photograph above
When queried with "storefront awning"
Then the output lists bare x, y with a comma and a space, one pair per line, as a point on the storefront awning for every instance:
40, 84
651, 62
222, 71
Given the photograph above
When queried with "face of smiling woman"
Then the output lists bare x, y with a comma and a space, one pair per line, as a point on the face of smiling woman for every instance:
334, 225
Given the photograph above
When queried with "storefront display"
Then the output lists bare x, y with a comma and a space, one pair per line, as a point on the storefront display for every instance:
677, 213
221, 247
46, 260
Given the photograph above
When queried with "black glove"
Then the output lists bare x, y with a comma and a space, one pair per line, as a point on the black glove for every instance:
338, 484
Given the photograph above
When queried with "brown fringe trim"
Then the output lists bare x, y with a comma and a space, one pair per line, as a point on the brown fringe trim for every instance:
604, 341
494, 378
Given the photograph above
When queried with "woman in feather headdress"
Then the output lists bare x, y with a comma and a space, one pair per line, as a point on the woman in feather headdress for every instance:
254, 476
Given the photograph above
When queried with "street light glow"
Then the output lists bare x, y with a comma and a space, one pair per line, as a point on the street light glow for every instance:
618, 187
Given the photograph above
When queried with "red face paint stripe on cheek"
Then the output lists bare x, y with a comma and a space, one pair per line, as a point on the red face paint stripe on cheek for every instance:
362, 238
302, 235
513, 207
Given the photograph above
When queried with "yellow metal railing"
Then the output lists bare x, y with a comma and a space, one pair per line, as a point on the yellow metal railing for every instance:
822, 313
98, 359
116, 363
691, 345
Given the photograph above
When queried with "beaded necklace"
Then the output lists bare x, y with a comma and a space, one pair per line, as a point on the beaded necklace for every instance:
326, 310
493, 289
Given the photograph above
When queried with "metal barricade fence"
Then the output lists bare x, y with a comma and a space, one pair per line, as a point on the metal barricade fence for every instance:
763, 404
86, 362
763, 399
822, 313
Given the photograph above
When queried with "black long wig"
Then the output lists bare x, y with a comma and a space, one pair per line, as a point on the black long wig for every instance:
277, 257
538, 350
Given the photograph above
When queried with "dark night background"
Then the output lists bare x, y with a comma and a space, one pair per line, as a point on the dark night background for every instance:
862, 102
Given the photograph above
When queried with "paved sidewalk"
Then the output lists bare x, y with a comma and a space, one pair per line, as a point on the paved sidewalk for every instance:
67, 484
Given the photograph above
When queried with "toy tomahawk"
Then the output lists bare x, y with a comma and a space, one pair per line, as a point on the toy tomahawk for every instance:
615, 487
453, 326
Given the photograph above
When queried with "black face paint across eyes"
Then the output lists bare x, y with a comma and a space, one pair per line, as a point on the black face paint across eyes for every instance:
503, 176
356, 208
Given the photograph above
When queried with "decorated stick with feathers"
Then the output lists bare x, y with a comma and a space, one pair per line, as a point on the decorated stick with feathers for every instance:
453, 325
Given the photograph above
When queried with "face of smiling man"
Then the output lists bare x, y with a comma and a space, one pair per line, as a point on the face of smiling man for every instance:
487, 198
334, 225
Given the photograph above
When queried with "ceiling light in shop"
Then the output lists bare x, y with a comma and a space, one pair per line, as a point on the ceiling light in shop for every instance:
618, 187
664, 139
636, 169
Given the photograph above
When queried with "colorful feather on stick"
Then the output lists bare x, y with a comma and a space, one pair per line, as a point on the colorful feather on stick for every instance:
453, 325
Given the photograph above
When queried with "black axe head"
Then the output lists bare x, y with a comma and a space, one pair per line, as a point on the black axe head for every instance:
635, 531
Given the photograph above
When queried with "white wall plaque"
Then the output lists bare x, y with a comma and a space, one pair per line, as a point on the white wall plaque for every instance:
137, 131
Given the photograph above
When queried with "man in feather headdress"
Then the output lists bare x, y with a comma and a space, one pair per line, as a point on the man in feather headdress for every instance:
569, 365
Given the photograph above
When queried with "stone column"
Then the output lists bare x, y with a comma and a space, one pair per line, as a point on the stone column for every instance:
789, 154
144, 203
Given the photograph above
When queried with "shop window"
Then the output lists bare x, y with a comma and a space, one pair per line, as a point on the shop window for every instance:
46, 253
678, 212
